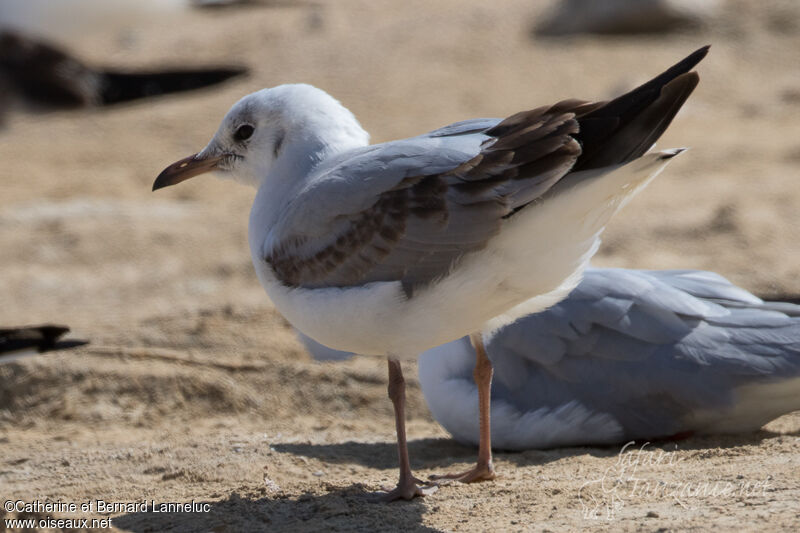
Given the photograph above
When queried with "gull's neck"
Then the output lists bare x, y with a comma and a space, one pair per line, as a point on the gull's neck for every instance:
308, 145
318, 129
312, 143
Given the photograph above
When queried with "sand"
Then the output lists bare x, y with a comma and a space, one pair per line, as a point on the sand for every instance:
194, 388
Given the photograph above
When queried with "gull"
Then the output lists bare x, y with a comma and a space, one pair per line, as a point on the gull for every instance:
16, 343
394, 248
43, 77
628, 355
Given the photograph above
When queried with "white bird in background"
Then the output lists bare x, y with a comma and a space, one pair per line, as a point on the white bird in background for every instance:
399, 247
67, 21
64, 21
629, 355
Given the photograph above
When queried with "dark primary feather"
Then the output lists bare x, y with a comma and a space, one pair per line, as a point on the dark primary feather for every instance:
626, 127
425, 220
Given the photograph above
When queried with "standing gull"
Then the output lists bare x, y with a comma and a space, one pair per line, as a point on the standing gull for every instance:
398, 247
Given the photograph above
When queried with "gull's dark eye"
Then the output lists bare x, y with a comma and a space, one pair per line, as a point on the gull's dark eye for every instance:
243, 132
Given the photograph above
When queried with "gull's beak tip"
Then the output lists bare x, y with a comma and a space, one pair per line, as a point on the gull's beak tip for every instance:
160, 182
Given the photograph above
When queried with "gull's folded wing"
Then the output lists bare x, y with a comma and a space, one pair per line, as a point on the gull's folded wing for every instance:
414, 207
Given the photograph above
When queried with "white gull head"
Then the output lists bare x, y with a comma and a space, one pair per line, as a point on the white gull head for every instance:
288, 127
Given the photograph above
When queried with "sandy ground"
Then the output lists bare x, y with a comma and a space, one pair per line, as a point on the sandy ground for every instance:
194, 388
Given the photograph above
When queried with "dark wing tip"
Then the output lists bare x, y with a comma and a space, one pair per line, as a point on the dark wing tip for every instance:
681, 67
669, 154
626, 127
695, 57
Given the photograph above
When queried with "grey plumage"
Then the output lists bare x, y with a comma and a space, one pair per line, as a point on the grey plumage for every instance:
628, 355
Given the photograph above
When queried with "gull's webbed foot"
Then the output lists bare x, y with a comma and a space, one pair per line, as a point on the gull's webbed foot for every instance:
407, 489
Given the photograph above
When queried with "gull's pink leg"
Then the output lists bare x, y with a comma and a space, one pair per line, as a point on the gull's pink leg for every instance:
483, 470
408, 486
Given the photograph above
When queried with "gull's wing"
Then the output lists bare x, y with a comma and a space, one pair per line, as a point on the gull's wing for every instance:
408, 210
628, 355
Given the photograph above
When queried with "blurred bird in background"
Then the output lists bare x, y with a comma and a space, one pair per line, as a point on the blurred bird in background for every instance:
38, 74
16, 343
65, 21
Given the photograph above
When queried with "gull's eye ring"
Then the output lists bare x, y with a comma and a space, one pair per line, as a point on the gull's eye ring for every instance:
243, 132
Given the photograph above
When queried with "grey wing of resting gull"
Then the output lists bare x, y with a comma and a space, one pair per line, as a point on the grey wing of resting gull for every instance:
630, 354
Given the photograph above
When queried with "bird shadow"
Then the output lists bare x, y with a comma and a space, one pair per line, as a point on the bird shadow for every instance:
425, 453
341, 508
442, 452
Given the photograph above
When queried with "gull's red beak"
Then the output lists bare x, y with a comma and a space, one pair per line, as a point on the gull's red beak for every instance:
186, 168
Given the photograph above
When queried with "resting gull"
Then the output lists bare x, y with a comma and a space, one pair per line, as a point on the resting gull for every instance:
629, 355
398, 247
